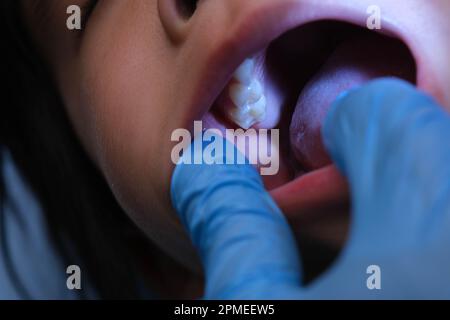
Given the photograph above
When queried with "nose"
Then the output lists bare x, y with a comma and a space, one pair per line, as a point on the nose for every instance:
175, 16
180, 17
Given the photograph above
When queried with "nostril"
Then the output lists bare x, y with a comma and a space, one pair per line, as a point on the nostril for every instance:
186, 8
174, 15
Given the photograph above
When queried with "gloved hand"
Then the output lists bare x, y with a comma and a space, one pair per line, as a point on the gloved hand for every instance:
390, 141
244, 241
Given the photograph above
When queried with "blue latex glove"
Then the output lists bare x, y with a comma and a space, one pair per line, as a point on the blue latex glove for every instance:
244, 241
391, 143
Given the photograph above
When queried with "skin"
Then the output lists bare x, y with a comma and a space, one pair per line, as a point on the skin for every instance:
127, 77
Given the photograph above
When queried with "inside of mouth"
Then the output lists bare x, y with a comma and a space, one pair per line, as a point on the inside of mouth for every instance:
313, 64
306, 68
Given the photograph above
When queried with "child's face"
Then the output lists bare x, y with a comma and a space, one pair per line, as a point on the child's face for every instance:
139, 70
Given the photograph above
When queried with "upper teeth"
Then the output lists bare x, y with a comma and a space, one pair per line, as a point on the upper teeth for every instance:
244, 73
248, 97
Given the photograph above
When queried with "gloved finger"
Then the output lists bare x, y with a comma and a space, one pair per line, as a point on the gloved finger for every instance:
246, 246
387, 137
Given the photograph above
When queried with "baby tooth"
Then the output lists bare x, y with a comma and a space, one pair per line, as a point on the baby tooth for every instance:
245, 123
250, 114
241, 118
239, 94
242, 95
256, 92
245, 72
258, 109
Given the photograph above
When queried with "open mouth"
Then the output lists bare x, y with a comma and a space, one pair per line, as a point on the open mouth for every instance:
290, 84
299, 75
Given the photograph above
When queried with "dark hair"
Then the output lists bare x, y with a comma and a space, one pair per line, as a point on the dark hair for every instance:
82, 214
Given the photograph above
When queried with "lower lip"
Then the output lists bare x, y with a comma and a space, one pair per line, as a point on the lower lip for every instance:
312, 195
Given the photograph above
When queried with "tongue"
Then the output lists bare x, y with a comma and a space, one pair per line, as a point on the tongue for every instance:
353, 63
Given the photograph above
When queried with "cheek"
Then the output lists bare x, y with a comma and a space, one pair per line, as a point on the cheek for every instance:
124, 112
127, 97
130, 109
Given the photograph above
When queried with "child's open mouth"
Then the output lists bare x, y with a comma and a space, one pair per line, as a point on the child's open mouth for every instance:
286, 78
290, 84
